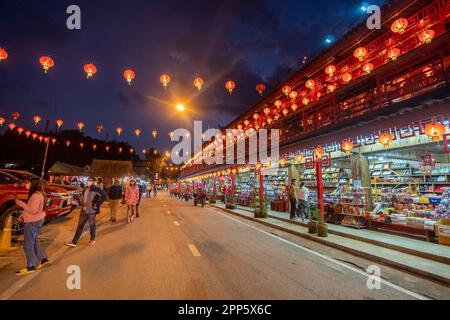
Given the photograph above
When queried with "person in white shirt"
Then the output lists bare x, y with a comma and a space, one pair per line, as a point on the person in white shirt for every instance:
303, 202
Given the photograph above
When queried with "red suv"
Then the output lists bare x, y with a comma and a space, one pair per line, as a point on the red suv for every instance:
58, 200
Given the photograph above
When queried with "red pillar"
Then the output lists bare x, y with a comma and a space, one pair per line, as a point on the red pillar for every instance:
261, 189
320, 197
233, 184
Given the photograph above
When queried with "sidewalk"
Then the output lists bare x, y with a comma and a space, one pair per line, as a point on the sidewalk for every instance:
419, 257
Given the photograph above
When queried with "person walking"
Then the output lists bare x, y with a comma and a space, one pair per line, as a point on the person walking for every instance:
131, 199
33, 216
303, 201
115, 196
149, 190
93, 197
155, 191
293, 192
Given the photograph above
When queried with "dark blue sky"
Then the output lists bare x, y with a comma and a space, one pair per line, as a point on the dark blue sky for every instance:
249, 41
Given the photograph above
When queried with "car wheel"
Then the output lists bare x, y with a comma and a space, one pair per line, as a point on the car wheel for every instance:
14, 212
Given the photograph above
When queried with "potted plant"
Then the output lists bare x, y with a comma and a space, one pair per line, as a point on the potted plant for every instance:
212, 199
312, 224
231, 202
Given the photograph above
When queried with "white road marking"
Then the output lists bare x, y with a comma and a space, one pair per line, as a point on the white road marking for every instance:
176, 223
385, 282
194, 250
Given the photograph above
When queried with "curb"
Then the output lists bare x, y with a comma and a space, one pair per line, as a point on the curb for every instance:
355, 252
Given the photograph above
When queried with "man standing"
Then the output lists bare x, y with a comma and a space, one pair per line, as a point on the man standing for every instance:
115, 196
293, 192
93, 197
303, 201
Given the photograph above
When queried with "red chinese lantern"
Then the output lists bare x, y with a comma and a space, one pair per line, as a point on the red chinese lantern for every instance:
426, 36
20, 131
331, 88
285, 112
137, 132
3, 54
266, 111
41, 138
347, 146
34, 136
360, 53
53, 141
319, 152
94, 147
129, 76
269, 120
165, 80
260, 88
286, 90
11, 126
36, 120
367, 68
90, 70
81, 145
68, 143
298, 158
278, 104
107, 148
386, 139
293, 95
310, 84
15, 115
28, 134
399, 25
171, 134
155, 152
435, 130
144, 152
246, 122
59, 123
99, 128
119, 131
80, 126
294, 107
256, 116
305, 101
198, 83
330, 70
154, 134
2, 122
347, 77
230, 85
46, 63
394, 53
46, 139
131, 150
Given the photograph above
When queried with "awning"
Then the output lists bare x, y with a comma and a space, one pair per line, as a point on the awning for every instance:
111, 168
65, 169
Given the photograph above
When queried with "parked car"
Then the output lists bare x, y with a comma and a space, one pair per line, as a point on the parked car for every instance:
58, 201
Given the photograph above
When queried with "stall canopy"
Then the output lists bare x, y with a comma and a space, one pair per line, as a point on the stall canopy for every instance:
111, 168
65, 169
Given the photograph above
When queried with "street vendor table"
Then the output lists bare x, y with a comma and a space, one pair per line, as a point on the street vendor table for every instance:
429, 234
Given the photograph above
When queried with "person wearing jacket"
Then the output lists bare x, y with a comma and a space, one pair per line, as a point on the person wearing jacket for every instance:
93, 197
115, 196
33, 218
131, 199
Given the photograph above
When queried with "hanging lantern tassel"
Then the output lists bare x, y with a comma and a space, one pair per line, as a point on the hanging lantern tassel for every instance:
435, 131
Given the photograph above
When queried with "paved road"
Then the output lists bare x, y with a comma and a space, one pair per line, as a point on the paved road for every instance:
176, 251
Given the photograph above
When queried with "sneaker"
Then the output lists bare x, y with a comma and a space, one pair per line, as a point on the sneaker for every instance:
91, 243
132, 218
25, 271
43, 264
70, 244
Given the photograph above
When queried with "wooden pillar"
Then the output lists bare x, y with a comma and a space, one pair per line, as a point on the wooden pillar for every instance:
320, 197
360, 171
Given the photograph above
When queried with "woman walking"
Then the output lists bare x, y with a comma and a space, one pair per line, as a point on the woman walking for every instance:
33, 217
131, 199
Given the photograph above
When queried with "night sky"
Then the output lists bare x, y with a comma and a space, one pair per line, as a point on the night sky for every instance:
248, 41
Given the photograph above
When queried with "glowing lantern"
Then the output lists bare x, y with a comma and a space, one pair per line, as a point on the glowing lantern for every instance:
331, 88
319, 152
282, 162
46, 63
330, 70
20, 131
286, 90
3, 54
94, 147
53, 141
41, 138
269, 120
360, 53
154, 134
367, 68
230, 85
90, 70
59, 123
34, 136
246, 122
81, 145
426, 36
310, 84
266, 111
16, 115
36, 120
11, 126
165, 80
256, 116
435, 130
293, 95
137, 132
198, 83
46, 139
260, 88
278, 104
298, 158
294, 107
394, 53
155, 152
347, 77
305, 101
119, 131
28, 133
99, 128
233, 171
171, 134
285, 112
107, 148
347, 146
67, 143
129, 76
2, 122
385, 139
80, 126
399, 25
144, 152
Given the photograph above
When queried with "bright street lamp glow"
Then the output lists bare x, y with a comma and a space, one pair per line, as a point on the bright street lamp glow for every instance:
180, 107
